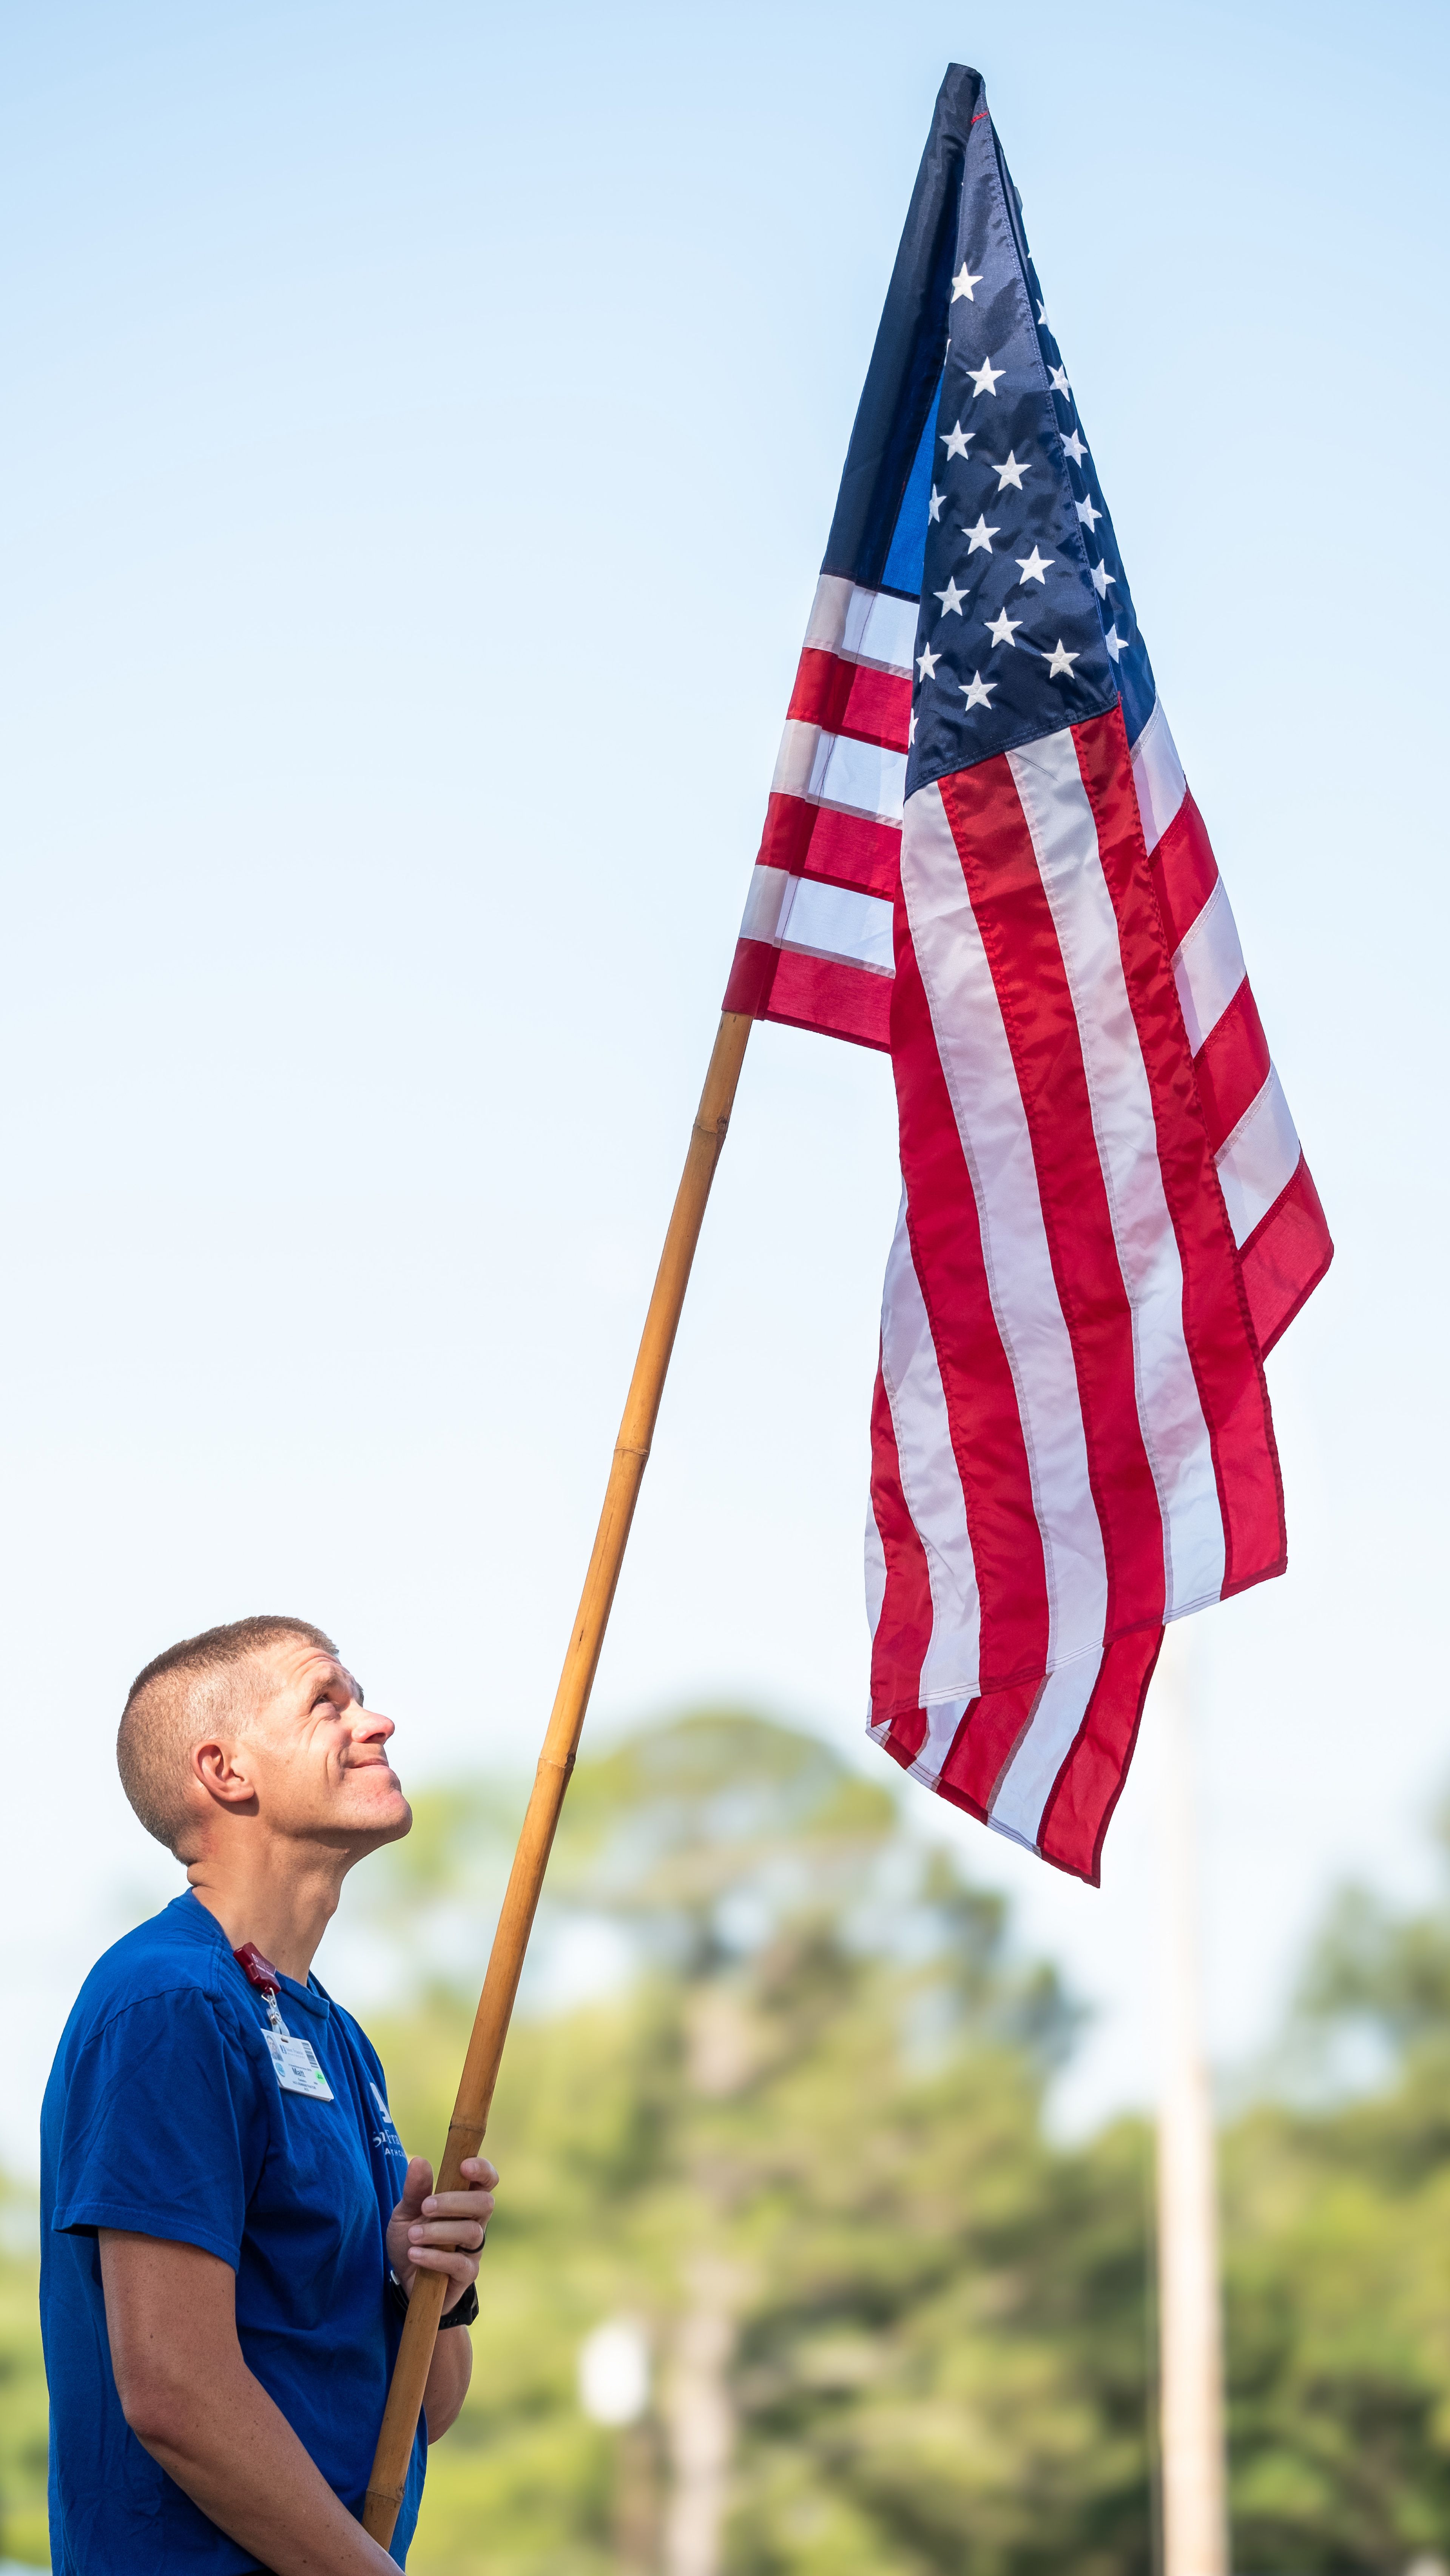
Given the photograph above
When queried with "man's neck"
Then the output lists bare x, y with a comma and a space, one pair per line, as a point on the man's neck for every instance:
282, 1897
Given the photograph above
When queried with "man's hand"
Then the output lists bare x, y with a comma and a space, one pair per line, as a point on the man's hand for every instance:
441, 2231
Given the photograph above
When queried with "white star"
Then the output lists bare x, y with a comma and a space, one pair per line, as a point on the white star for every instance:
985, 378
951, 599
1060, 384
926, 660
933, 507
963, 283
1074, 448
1115, 642
957, 440
911, 734
981, 535
1062, 661
1088, 515
1042, 321
1003, 629
1034, 567
1012, 473
1101, 578
977, 691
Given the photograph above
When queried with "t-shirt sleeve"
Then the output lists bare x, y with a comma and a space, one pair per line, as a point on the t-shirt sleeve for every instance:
164, 2127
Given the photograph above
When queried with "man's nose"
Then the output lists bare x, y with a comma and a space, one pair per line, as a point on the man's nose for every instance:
371, 1727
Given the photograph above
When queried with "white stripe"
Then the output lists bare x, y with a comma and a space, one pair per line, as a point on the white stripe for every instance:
836, 921
1065, 842
1158, 776
767, 903
823, 920
881, 630
1257, 1161
930, 1479
875, 1570
859, 776
977, 1064
1209, 967
942, 1722
795, 759
1025, 1785
862, 625
834, 769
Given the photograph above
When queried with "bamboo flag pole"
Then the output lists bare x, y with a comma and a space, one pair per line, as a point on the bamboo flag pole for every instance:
561, 1741
1195, 2511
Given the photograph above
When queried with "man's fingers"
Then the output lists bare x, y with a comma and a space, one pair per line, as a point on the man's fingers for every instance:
478, 2174
458, 2204
449, 2231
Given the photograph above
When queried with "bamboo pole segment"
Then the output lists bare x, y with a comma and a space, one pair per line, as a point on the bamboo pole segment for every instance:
561, 1741
1194, 2480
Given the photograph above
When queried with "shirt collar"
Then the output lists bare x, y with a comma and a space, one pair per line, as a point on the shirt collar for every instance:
197, 1922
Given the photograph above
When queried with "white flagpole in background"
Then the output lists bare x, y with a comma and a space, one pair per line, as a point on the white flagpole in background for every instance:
1194, 2482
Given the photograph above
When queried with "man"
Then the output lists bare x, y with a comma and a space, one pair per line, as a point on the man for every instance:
231, 2228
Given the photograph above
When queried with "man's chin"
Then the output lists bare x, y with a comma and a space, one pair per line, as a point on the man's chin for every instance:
376, 1821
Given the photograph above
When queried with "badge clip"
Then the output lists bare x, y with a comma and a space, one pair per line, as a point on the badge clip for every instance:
294, 2059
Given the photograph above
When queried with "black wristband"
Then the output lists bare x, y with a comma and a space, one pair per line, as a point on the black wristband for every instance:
463, 2313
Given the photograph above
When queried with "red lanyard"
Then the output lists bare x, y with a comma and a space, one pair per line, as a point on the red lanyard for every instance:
259, 1972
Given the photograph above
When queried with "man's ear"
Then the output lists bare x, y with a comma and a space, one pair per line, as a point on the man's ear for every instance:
220, 1770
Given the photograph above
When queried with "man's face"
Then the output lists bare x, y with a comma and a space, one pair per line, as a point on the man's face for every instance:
316, 1757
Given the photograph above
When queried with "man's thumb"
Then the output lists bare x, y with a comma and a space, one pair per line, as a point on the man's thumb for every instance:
418, 2184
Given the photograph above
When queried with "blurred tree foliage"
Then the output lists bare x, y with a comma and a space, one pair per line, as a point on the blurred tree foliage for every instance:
797, 2135
22, 2386
1337, 2225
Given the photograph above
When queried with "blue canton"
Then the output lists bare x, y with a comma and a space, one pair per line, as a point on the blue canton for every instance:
969, 487
1025, 614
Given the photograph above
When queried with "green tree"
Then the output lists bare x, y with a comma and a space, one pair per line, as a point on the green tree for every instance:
1338, 2239
22, 2386
807, 2137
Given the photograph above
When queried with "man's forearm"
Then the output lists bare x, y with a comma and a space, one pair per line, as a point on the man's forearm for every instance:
448, 2377
235, 2454
189, 2398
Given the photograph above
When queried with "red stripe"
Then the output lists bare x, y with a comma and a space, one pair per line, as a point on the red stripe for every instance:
1089, 1785
1232, 1066
841, 849
875, 706
821, 993
1015, 921
1286, 1256
981, 1401
984, 1744
1185, 872
1216, 1321
904, 1627
752, 973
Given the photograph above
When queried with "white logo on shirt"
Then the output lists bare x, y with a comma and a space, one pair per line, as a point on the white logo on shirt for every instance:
387, 2136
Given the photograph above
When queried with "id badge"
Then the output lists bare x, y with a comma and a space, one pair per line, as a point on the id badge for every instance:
297, 2067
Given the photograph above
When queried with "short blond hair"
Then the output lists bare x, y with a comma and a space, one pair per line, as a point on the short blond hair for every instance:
173, 1702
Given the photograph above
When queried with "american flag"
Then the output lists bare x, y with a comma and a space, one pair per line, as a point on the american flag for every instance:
981, 853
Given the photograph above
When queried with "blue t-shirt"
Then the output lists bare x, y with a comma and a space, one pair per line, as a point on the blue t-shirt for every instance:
164, 2115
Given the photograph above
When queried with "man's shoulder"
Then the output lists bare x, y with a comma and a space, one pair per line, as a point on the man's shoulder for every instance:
178, 1952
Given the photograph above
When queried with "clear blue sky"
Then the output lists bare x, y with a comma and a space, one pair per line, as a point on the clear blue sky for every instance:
421, 429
